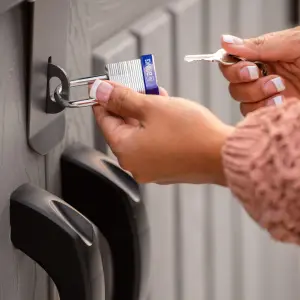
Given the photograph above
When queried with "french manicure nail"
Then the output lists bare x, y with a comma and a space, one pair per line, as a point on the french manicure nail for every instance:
275, 85
94, 88
230, 39
249, 72
278, 84
278, 100
101, 90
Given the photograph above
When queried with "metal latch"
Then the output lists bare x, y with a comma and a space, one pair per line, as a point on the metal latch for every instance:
46, 121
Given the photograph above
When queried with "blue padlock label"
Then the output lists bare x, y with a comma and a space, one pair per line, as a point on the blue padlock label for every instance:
150, 80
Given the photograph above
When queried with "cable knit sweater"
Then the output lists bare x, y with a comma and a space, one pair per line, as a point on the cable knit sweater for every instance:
262, 166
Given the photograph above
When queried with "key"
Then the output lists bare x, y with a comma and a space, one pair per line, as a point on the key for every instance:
221, 56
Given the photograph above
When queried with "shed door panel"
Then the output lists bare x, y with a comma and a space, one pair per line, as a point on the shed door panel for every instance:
203, 245
20, 277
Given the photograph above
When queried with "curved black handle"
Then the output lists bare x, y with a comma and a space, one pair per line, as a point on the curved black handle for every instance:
110, 198
61, 240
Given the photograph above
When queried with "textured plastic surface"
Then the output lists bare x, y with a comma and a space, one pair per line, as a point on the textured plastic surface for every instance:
49, 19
7, 4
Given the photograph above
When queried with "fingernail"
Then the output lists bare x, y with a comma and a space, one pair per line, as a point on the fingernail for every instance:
275, 85
101, 90
230, 39
249, 72
278, 100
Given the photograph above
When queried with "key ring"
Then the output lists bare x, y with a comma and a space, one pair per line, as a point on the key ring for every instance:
230, 59
236, 59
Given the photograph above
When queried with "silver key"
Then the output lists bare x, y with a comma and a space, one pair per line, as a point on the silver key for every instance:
221, 56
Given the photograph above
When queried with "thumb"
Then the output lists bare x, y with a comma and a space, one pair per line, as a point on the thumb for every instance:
119, 100
281, 45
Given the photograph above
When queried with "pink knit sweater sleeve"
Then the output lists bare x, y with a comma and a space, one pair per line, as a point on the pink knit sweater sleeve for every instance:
262, 166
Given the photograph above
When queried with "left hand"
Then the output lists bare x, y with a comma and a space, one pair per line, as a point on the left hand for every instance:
280, 52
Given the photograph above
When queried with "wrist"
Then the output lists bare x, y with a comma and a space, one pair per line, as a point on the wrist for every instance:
217, 170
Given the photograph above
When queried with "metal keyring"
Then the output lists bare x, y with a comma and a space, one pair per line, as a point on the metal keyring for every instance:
233, 59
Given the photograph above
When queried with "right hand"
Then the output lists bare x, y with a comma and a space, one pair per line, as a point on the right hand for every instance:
158, 138
280, 51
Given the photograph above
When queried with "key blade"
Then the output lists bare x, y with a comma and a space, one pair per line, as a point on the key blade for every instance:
217, 56
199, 57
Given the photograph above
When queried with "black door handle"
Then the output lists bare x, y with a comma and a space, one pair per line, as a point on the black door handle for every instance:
61, 240
110, 198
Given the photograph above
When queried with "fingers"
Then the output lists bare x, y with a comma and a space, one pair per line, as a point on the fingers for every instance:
107, 122
281, 45
246, 108
257, 90
122, 101
163, 92
246, 83
119, 100
241, 72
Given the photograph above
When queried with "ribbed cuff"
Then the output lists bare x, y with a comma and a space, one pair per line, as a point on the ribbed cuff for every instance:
261, 162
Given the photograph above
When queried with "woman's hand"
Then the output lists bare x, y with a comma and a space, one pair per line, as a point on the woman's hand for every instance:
158, 138
280, 51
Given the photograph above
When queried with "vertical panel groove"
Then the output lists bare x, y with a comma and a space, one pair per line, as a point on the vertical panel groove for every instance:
153, 34
178, 261
191, 199
238, 282
205, 43
179, 294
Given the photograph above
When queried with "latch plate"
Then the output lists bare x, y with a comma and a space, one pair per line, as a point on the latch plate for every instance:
49, 34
